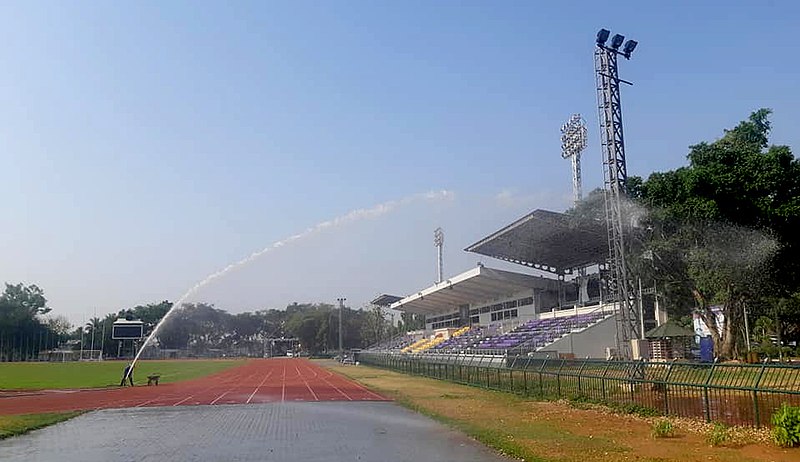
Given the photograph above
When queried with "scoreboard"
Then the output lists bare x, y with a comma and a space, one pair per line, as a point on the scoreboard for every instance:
122, 329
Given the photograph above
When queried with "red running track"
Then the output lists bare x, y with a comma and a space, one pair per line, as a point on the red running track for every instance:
256, 381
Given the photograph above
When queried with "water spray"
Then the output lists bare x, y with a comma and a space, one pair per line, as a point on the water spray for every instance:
352, 216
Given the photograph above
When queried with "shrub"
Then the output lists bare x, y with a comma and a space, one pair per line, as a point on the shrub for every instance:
786, 421
718, 435
663, 428
642, 411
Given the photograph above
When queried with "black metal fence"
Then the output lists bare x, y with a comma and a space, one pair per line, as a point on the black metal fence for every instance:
734, 394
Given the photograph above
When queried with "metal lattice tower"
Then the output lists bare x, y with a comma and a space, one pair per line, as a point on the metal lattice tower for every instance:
573, 142
612, 142
438, 242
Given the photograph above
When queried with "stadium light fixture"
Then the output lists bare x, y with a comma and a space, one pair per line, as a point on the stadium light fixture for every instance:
630, 45
616, 41
602, 36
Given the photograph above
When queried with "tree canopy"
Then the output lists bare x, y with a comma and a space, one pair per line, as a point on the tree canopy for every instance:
721, 231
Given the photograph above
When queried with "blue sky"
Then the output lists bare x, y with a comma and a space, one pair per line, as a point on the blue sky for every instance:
144, 146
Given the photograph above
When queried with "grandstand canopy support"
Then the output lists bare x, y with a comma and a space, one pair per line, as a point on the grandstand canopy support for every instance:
478, 285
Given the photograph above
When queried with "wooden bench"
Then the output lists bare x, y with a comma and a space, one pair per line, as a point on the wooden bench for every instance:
153, 379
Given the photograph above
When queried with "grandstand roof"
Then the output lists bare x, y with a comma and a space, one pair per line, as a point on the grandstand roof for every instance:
478, 285
548, 241
385, 300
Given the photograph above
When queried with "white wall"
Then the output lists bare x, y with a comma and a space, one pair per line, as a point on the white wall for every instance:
591, 342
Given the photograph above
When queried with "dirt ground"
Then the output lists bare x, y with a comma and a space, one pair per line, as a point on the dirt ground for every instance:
559, 431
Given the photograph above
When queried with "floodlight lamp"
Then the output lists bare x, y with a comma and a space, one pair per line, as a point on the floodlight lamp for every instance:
602, 36
616, 41
630, 45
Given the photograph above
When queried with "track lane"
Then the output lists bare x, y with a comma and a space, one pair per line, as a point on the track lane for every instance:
255, 381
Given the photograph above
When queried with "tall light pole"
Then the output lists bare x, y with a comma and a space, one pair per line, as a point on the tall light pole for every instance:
438, 242
573, 142
615, 171
341, 310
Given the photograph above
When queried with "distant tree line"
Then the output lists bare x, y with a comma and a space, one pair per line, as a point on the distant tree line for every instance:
28, 327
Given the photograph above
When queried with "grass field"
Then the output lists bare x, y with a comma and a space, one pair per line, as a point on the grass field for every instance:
12, 425
556, 431
32, 376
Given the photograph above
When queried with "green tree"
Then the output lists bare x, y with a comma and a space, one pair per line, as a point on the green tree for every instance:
21, 304
723, 229
374, 327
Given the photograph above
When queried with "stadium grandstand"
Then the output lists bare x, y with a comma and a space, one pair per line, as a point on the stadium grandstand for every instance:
560, 311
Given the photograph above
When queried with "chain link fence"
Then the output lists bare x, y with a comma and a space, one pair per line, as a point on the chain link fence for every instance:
733, 394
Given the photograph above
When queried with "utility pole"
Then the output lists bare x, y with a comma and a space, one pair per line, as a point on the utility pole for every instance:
102, 340
93, 329
82, 326
341, 311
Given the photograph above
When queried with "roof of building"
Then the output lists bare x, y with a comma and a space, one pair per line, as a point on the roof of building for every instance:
385, 300
668, 330
478, 285
548, 241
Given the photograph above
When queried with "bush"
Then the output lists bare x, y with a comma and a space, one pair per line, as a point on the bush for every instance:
718, 435
663, 428
786, 421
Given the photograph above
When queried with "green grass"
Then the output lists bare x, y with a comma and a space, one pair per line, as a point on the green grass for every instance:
719, 435
31, 376
12, 425
497, 440
663, 428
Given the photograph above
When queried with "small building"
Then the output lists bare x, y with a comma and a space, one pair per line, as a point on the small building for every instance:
670, 341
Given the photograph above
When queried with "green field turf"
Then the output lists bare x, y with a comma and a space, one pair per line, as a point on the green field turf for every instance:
29, 376
12, 425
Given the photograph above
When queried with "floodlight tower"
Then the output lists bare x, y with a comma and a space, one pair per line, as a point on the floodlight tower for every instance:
438, 242
615, 171
573, 142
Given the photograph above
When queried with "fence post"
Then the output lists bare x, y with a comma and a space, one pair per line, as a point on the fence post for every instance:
666, 385
541, 371
756, 412
558, 377
525, 382
706, 403
580, 373
603, 379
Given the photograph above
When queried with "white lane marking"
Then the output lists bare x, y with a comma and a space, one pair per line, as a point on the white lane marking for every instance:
147, 402
283, 384
184, 400
259, 386
219, 397
364, 388
337, 389
306, 382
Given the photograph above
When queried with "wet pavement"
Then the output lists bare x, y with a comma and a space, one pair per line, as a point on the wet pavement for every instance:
288, 431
